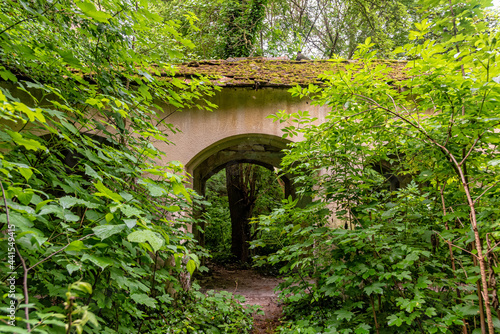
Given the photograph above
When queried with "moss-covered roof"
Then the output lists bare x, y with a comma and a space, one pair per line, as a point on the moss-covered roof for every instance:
264, 72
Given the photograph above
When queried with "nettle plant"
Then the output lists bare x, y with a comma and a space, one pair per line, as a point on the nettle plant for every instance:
415, 173
99, 226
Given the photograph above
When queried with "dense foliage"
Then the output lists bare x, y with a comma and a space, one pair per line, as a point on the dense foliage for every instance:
219, 29
279, 28
412, 170
267, 194
95, 222
241, 22
93, 238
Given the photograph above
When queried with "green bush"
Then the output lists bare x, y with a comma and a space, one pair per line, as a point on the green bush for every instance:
390, 274
215, 312
411, 173
90, 219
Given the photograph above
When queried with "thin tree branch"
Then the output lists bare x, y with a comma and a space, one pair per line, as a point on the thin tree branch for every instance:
492, 248
28, 18
470, 150
485, 191
448, 242
60, 250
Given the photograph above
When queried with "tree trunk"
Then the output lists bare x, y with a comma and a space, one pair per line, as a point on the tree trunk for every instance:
241, 202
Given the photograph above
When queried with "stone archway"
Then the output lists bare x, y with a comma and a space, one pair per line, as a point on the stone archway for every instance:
260, 149
256, 148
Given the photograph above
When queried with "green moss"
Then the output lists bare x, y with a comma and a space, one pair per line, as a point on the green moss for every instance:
277, 72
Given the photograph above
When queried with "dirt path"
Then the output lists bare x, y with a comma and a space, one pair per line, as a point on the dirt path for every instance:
256, 288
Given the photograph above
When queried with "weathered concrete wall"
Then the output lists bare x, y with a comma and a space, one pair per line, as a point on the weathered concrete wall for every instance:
238, 130
241, 111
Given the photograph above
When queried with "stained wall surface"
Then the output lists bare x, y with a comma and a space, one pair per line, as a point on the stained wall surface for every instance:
241, 111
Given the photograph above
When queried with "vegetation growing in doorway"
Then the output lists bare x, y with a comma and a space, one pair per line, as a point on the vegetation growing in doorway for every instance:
267, 193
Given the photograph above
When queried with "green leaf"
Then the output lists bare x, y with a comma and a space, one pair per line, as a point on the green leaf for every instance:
29, 144
101, 262
430, 312
7, 75
344, 314
130, 211
72, 268
92, 173
143, 299
69, 58
21, 222
32, 114
70, 217
90, 317
155, 190
75, 246
404, 275
26, 172
69, 126
70, 201
89, 9
42, 204
468, 310
147, 236
180, 189
105, 231
374, 288
191, 266
103, 191
130, 222
394, 320
81, 286
25, 197
13, 329
362, 329
172, 208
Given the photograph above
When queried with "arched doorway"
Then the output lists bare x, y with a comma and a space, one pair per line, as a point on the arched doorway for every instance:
229, 153
257, 148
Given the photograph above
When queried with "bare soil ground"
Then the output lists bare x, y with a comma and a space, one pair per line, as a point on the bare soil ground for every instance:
256, 288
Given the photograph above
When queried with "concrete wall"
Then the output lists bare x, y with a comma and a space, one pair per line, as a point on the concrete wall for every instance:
242, 111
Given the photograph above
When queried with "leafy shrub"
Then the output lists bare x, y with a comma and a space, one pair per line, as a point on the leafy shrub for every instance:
412, 176
389, 277
215, 312
90, 221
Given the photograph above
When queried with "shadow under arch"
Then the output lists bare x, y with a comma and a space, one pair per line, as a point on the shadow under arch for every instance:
256, 148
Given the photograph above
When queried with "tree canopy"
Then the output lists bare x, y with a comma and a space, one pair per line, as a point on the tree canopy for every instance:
277, 28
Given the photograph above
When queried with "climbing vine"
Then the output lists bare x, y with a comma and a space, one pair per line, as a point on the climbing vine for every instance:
242, 21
